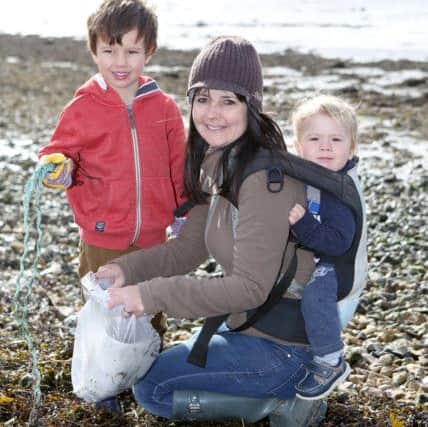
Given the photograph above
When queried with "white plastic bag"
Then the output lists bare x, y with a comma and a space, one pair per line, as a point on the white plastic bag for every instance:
111, 353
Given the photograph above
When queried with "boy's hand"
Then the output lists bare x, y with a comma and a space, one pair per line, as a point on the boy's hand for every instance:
296, 213
61, 177
112, 272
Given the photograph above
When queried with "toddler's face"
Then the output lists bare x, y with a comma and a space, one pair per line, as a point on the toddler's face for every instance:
122, 64
324, 141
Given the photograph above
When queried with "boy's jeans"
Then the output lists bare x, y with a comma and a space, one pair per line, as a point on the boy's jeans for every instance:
319, 309
237, 364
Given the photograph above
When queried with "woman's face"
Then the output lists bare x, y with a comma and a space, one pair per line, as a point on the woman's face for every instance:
219, 116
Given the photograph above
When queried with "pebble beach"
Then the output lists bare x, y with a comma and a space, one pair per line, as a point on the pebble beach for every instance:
387, 340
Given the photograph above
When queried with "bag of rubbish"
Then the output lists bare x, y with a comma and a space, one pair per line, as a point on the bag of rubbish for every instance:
111, 352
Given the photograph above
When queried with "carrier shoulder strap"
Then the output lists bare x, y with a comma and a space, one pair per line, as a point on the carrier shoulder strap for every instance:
276, 293
199, 351
185, 207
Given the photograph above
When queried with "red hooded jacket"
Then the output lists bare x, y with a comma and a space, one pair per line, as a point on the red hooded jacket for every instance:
129, 163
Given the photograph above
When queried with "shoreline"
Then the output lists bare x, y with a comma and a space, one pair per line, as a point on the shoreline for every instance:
385, 89
63, 49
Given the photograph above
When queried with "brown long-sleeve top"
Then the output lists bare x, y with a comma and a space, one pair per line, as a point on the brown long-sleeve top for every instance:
250, 255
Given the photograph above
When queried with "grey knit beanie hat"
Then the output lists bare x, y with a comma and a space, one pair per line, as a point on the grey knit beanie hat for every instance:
228, 63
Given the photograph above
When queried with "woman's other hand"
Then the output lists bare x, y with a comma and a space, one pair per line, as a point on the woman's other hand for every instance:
129, 297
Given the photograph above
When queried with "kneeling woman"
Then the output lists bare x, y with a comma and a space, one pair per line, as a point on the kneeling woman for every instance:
227, 129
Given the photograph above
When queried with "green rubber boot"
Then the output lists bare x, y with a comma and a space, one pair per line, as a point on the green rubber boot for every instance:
298, 413
210, 406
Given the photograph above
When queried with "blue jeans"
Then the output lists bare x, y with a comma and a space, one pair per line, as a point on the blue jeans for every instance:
319, 309
237, 364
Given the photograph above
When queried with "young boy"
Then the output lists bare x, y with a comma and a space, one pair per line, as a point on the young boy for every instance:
325, 132
118, 147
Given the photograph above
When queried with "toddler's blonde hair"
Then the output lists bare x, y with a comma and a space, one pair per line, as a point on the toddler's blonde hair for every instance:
333, 106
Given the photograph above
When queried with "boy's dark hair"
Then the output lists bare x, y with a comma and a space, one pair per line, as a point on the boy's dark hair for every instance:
262, 132
114, 18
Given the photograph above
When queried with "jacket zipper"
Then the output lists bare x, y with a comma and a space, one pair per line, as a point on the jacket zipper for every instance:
137, 174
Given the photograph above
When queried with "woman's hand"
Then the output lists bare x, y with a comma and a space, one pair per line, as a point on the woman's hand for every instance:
111, 272
296, 214
129, 297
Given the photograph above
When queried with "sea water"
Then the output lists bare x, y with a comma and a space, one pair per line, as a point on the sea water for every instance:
357, 29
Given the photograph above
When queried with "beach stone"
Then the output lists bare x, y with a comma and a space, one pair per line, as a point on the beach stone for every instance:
421, 398
384, 387
26, 380
413, 385
399, 378
17, 246
374, 347
372, 381
370, 329
374, 367
54, 270
416, 370
355, 357
357, 379
71, 321
386, 359
371, 391
386, 370
398, 347
64, 311
425, 384
389, 336
188, 326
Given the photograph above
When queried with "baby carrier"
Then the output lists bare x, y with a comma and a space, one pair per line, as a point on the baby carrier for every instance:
351, 268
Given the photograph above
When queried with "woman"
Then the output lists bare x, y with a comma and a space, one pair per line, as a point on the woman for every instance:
227, 129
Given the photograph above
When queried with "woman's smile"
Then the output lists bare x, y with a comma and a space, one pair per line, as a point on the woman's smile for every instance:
219, 116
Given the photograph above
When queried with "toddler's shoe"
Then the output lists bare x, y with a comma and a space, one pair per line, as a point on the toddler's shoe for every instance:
110, 404
321, 379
